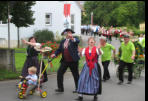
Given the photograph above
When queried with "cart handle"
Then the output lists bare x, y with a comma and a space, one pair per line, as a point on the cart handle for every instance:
49, 60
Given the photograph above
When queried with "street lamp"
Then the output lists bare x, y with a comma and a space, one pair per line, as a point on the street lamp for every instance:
8, 26
10, 5
92, 18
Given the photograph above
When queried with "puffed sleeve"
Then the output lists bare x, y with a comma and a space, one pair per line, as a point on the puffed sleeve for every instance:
98, 51
83, 52
38, 45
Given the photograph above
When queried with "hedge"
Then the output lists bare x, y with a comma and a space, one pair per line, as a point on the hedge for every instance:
44, 35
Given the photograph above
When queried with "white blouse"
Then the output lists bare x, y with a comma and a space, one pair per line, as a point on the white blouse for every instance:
97, 50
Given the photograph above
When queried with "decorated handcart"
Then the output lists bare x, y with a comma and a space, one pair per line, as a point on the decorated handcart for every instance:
45, 53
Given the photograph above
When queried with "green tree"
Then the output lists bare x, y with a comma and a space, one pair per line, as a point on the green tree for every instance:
22, 15
141, 10
3, 10
127, 14
116, 13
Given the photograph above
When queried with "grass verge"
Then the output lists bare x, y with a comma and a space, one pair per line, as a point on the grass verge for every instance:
20, 57
5, 74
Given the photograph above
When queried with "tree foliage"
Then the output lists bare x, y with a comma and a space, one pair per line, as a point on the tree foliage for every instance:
116, 13
3, 10
22, 15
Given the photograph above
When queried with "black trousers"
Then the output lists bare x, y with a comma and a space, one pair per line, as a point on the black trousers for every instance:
86, 32
129, 66
106, 71
63, 68
116, 35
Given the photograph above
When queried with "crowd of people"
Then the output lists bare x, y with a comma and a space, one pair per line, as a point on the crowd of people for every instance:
96, 30
89, 82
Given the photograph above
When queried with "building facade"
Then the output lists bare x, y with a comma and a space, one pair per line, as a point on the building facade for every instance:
142, 26
48, 15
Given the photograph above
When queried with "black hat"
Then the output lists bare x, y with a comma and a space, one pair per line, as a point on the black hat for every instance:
66, 30
126, 36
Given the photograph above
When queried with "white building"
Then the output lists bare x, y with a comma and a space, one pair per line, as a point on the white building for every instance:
48, 15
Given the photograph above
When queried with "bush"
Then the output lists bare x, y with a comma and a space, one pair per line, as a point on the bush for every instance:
44, 35
136, 31
59, 40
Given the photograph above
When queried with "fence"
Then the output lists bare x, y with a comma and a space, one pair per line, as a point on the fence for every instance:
13, 43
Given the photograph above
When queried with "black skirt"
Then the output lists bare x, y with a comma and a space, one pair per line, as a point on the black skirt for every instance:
33, 61
30, 61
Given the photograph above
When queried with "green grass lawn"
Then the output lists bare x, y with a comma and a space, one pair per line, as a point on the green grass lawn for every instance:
20, 57
5, 74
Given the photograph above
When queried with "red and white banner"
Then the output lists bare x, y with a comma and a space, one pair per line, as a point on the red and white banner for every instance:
67, 10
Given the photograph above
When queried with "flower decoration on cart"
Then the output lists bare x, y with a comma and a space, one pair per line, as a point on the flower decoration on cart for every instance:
53, 45
139, 56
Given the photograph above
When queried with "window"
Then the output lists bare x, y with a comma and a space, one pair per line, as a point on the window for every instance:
48, 18
72, 22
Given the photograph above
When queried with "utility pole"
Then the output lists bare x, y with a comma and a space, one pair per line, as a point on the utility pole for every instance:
8, 26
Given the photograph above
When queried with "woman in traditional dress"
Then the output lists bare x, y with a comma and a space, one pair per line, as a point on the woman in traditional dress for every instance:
90, 78
32, 57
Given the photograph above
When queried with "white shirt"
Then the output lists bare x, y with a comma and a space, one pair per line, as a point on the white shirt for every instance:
34, 77
38, 45
140, 39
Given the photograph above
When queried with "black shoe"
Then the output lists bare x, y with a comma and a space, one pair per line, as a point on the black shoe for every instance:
107, 78
41, 86
95, 98
120, 83
45, 80
75, 91
104, 80
79, 98
129, 82
59, 90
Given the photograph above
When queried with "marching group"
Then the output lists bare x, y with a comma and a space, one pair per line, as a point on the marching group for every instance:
89, 82
96, 30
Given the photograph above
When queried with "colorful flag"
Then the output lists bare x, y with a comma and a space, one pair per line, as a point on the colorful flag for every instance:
67, 10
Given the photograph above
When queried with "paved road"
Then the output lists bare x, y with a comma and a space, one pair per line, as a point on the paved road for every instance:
111, 91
